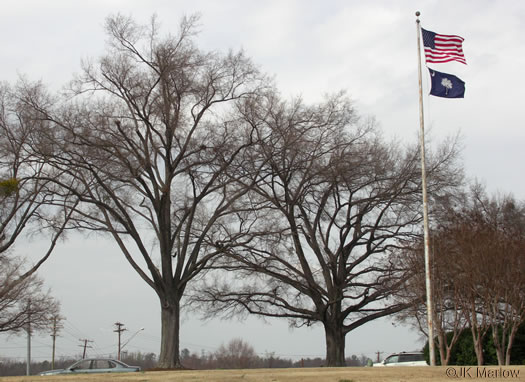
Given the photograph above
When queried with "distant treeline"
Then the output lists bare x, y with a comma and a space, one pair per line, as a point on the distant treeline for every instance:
17, 367
205, 361
237, 354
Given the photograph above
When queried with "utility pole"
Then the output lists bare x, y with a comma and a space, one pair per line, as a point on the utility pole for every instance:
54, 335
28, 362
85, 346
119, 330
378, 354
56, 327
28, 365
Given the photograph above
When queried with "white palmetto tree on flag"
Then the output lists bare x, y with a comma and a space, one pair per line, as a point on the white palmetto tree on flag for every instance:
447, 84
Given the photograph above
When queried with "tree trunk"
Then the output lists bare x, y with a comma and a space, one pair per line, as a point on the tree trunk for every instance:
499, 336
478, 331
442, 346
335, 344
512, 335
169, 346
500, 354
478, 348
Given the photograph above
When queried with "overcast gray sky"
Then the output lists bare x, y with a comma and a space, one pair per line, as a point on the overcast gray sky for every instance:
367, 48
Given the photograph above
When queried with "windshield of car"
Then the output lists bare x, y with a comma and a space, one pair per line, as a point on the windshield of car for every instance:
410, 357
392, 359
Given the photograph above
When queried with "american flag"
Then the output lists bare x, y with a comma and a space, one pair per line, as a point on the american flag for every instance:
442, 48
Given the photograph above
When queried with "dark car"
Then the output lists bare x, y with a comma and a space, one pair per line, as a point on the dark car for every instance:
94, 365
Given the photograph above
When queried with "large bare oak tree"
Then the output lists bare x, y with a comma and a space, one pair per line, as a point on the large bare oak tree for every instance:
144, 144
330, 202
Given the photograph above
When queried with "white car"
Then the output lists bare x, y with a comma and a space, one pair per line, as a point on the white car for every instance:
404, 359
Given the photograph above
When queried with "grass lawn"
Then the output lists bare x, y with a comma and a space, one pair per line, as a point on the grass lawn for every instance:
354, 374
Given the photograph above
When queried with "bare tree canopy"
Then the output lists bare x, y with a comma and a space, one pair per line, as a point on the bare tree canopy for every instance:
27, 201
330, 199
23, 301
27, 207
236, 354
478, 248
144, 144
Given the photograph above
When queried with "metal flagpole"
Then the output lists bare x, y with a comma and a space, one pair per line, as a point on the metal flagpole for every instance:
430, 304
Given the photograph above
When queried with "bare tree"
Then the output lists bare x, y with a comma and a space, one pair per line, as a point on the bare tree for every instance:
237, 354
144, 145
27, 207
449, 320
23, 300
27, 200
477, 247
494, 247
331, 199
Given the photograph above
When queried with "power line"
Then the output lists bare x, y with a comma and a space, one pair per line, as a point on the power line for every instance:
22, 347
72, 328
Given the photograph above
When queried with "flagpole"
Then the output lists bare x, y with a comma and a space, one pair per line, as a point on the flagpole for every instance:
430, 304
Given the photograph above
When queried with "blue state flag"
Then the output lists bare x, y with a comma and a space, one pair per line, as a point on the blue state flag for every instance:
446, 85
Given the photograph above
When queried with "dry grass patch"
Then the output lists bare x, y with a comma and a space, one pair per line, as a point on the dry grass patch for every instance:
395, 374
